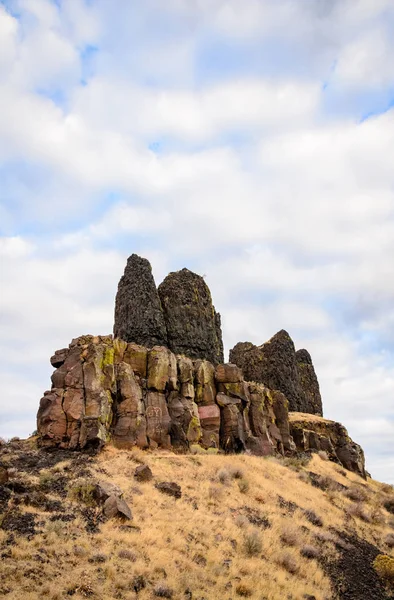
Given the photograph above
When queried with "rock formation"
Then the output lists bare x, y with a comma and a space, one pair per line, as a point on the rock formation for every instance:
309, 383
277, 365
138, 313
107, 389
162, 382
193, 326
311, 433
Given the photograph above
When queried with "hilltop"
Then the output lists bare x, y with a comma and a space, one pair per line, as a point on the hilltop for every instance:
160, 471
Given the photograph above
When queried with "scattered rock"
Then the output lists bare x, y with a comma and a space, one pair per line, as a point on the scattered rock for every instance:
116, 507
104, 489
170, 488
143, 473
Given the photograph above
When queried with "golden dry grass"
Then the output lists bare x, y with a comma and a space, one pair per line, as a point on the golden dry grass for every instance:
201, 542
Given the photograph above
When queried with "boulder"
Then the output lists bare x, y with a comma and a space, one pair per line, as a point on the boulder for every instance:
205, 388
139, 316
193, 326
59, 357
129, 410
170, 488
209, 416
143, 473
157, 420
115, 507
104, 489
228, 373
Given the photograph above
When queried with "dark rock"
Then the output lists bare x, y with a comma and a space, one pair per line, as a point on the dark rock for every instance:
143, 473
309, 383
116, 507
170, 488
59, 357
138, 313
193, 326
278, 366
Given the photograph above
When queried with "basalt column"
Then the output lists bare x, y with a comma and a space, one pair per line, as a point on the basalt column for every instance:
193, 326
138, 313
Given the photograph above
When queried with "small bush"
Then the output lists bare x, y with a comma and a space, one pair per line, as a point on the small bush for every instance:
389, 505
79, 551
162, 590
323, 455
215, 492
289, 563
127, 555
377, 516
387, 488
358, 510
390, 540
289, 537
252, 543
241, 521
384, 566
297, 462
356, 493
223, 476
243, 485
83, 491
313, 518
243, 590
308, 551
236, 473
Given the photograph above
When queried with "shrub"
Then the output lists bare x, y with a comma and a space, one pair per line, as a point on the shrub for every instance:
243, 590
297, 462
389, 505
384, 566
313, 518
289, 537
252, 543
82, 490
243, 485
215, 492
377, 516
223, 476
241, 521
356, 493
236, 473
358, 510
390, 540
162, 590
323, 455
288, 562
127, 555
308, 551
387, 488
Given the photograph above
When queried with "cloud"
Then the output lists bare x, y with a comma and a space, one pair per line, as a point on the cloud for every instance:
199, 135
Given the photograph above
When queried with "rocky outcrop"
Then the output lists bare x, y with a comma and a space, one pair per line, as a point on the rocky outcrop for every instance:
277, 365
193, 326
312, 433
310, 386
138, 313
109, 389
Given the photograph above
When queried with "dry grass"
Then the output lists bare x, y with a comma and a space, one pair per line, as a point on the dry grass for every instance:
209, 544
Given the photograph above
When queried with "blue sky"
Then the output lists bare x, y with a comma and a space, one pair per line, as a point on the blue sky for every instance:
252, 142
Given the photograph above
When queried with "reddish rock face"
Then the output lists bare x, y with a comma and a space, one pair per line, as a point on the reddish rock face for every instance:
107, 389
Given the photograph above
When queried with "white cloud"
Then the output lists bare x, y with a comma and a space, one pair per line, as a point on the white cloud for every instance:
282, 202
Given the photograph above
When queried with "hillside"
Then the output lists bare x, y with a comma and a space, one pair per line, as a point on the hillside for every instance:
244, 527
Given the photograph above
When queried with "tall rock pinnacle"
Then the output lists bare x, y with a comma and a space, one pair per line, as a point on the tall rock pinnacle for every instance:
193, 325
139, 316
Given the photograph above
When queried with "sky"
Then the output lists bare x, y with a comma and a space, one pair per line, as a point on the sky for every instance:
251, 142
